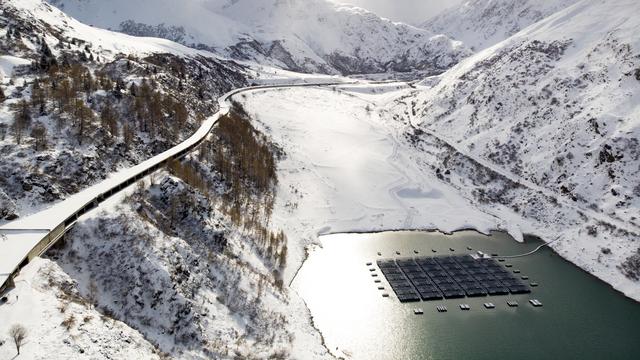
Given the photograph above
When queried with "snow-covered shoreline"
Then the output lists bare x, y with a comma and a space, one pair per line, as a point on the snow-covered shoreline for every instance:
278, 119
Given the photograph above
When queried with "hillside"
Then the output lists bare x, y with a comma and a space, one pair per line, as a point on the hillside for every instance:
171, 269
483, 23
303, 36
91, 101
553, 113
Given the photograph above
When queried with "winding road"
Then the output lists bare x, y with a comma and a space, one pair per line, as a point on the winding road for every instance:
25, 239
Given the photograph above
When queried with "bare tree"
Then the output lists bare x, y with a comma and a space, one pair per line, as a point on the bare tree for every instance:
3, 131
83, 118
127, 135
39, 133
19, 334
93, 293
21, 120
109, 119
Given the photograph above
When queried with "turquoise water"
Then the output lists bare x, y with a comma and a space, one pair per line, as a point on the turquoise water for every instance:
582, 317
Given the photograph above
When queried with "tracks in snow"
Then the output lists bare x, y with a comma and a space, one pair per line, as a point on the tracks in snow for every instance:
400, 184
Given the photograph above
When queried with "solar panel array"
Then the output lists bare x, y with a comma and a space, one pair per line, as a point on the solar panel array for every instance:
432, 278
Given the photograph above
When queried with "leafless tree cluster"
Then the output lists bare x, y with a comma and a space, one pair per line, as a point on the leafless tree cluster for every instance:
246, 160
18, 334
67, 90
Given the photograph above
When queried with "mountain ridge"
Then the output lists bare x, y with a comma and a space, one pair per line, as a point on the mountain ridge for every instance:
303, 36
480, 23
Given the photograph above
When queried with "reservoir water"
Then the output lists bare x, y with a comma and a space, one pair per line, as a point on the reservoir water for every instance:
581, 317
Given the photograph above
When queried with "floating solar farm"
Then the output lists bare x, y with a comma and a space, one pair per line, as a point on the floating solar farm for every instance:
433, 278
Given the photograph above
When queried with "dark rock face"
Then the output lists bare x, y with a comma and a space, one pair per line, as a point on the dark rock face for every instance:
7, 207
631, 266
173, 33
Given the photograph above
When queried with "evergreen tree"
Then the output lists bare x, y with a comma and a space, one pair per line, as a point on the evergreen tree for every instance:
47, 60
133, 89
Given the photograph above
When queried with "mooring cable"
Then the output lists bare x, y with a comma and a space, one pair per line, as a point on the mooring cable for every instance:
532, 251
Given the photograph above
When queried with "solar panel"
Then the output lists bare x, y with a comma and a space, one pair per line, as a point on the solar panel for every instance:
409, 297
418, 282
393, 277
450, 276
431, 295
387, 271
405, 262
453, 293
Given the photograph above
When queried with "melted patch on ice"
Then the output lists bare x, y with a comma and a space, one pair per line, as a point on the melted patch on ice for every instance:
418, 193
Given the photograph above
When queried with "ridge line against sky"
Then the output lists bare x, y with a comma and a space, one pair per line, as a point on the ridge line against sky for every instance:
408, 11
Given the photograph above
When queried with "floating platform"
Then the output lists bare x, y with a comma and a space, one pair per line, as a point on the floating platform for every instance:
489, 305
475, 292
535, 302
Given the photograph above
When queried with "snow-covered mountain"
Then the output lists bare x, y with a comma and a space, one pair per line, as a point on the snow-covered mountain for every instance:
483, 23
299, 35
44, 46
554, 109
78, 103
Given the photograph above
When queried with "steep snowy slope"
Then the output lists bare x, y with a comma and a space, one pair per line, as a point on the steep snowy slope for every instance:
74, 104
482, 23
555, 109
299, 35
100, 71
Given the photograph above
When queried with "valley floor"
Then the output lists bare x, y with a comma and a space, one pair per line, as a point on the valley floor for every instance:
345, 171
